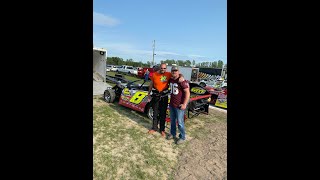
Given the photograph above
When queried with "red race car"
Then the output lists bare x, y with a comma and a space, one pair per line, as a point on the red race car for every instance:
135, 96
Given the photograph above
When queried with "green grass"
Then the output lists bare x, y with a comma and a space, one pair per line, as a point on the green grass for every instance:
124, 150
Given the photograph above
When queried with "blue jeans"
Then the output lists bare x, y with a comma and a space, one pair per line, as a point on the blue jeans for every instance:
146, 77
177, 114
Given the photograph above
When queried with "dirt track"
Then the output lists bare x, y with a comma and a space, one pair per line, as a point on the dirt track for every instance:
205, 157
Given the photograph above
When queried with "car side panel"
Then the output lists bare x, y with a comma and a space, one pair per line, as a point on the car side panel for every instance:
136, 100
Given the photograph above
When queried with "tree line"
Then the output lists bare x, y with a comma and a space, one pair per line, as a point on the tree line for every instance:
130, 62
188, 63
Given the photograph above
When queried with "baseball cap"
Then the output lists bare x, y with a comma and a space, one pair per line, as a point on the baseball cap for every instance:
174, 68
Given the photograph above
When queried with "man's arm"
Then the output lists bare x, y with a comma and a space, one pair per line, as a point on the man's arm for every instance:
186, 98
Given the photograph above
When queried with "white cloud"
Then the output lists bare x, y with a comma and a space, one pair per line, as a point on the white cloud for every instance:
103, 20
165, 53
194, 55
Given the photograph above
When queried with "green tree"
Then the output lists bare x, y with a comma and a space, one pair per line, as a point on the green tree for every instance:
193, 62
129, 62
188, 63
114, 60
172, 62
214, 64
180, 63
220, 64
109, 60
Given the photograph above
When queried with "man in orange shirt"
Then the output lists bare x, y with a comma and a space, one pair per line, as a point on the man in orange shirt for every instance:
160, 82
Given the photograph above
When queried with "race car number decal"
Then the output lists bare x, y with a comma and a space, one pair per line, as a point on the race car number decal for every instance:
138, 97
126, 91
198, 90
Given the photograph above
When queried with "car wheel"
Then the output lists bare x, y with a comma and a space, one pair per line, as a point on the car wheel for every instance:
109, 95
202, 84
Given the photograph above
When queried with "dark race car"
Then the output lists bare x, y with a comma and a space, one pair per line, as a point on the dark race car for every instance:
135, 96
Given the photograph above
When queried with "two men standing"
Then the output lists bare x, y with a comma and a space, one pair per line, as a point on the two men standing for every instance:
179, 98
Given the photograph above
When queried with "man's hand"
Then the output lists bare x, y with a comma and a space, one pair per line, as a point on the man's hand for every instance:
183, 106
181, 79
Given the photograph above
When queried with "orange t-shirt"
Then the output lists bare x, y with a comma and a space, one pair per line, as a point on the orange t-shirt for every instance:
161, 81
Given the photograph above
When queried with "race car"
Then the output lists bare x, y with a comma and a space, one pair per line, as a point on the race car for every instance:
218, 95
135, 96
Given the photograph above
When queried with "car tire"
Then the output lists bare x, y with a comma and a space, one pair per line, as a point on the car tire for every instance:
109, 95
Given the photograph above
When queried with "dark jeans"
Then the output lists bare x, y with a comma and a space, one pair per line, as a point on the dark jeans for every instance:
159, 106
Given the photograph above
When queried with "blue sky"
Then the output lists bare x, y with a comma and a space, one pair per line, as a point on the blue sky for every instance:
182, 29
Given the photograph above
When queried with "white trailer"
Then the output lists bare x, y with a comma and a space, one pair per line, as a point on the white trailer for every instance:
189, 73
99, 64
99, 71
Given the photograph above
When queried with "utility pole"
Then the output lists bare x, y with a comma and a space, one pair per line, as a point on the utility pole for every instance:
154, 43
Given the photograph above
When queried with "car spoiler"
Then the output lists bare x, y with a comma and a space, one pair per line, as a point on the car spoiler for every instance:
115, 79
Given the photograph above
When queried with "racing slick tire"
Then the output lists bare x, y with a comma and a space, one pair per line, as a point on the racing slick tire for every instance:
109, 95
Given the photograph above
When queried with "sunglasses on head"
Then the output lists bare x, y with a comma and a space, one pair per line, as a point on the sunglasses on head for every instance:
173, 70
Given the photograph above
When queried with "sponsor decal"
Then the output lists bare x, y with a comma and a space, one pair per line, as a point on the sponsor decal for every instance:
163, 78
221, 100
125, 98
126, 91
198, 90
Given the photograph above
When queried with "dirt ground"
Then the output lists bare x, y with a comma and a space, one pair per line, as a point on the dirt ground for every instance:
124, 150
205, 157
